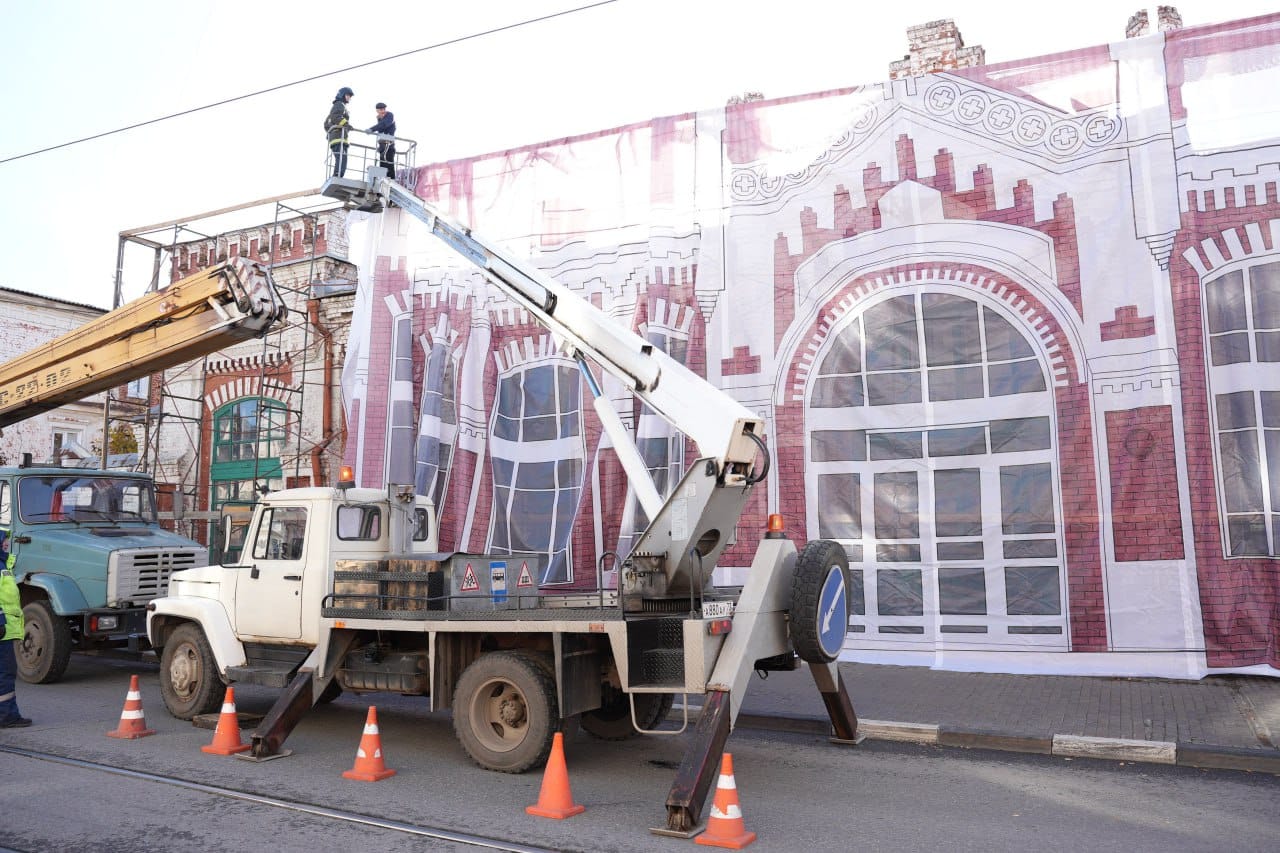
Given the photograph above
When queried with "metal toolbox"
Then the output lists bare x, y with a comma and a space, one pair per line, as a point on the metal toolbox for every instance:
494, 581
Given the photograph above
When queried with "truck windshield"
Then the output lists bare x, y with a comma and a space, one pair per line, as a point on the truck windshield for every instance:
72, 497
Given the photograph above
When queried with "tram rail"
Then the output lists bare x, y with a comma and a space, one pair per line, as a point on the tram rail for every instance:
432, 832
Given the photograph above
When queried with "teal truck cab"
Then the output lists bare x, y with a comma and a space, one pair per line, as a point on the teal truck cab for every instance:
89, 554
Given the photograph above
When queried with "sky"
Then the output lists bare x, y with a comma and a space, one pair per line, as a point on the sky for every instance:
475, 77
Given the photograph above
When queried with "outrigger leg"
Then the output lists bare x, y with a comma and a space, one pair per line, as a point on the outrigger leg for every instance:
284, 715
701, 765
296, 700
844, 722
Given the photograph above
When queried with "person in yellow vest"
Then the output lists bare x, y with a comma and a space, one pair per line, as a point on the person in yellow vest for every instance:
11, 629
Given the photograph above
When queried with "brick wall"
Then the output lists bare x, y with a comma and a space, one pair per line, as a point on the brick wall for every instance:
1239, 596
1146, 516
31, 321
977, 204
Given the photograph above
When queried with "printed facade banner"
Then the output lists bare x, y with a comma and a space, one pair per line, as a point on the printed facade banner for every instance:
1015, 331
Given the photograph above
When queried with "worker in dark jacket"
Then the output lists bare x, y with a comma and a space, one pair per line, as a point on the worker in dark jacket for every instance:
336, 125
386, 126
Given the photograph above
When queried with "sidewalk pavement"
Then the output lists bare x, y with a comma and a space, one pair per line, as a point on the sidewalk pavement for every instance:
1223, 721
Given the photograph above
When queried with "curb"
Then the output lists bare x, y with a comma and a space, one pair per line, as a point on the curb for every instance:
1067, 746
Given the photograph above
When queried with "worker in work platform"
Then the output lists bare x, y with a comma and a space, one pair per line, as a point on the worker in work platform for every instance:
336, 125
11, 629
386, 147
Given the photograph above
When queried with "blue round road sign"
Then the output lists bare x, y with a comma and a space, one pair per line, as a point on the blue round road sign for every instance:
833, 612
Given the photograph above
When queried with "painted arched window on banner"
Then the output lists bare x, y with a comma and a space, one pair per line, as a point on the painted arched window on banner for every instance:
537, 454
660, 445
931, 453
1242, 322
437, 424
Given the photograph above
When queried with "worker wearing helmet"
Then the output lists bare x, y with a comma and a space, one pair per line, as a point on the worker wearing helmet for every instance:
336, 124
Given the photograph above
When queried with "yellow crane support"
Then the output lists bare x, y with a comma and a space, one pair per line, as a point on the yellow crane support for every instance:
232, 301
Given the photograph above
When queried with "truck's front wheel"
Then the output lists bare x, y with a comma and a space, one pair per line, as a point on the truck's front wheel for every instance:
189, 680
46, 644
504, 711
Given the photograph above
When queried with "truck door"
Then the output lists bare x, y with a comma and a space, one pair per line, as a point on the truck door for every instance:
269, 593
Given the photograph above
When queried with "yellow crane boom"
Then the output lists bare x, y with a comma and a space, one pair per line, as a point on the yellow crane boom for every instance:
196, 315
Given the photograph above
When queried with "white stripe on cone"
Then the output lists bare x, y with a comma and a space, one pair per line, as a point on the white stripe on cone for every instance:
371, 730
131, 715
735, 813
133, 696
727, 782
228, 708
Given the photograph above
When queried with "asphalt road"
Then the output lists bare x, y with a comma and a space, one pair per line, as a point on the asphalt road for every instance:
798, 792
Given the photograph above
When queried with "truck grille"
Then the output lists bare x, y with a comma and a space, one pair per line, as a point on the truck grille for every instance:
143, 574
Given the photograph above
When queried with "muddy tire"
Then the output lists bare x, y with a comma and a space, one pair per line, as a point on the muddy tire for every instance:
189, 681
45, 647
612, 720
504, 711
820, 602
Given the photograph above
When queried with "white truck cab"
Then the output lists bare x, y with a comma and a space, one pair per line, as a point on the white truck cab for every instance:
272, 594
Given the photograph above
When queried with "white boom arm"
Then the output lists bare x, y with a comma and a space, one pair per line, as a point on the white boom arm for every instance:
721, 427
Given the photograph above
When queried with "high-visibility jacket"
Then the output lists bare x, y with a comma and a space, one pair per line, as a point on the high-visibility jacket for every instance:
338, 122
10, 602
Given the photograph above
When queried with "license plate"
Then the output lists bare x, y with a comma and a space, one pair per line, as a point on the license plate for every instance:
716, 609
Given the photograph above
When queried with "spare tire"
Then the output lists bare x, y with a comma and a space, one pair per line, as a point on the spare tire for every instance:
820, 602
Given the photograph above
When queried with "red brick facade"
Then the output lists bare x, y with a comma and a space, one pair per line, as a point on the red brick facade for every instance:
1058, 208
1146, 515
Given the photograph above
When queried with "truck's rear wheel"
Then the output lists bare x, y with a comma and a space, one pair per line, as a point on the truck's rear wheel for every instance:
504, 711
612, 720
189, 680
820, 602
45, 648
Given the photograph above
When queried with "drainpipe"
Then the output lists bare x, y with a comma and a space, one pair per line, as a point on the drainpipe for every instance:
326, 415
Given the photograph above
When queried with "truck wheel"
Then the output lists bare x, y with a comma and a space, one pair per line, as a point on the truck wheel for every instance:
189, 680
612, 720
504, 711
45, 648
820, 602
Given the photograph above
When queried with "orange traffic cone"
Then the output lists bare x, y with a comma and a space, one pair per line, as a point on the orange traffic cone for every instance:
555, 800
725, 827
226, 738
132, 722
369, 766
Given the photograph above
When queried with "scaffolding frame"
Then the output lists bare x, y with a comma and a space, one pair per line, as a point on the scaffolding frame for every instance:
165, 404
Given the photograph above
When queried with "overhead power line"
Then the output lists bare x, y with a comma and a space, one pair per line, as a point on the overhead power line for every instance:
436, 46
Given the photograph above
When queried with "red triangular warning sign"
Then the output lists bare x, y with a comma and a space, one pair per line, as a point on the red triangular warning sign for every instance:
525, 579
469, 582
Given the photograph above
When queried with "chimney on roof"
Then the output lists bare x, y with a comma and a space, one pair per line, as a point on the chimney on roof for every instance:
936, 46
1167, 18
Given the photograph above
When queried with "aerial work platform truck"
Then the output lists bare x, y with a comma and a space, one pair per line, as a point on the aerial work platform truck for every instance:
346, 589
